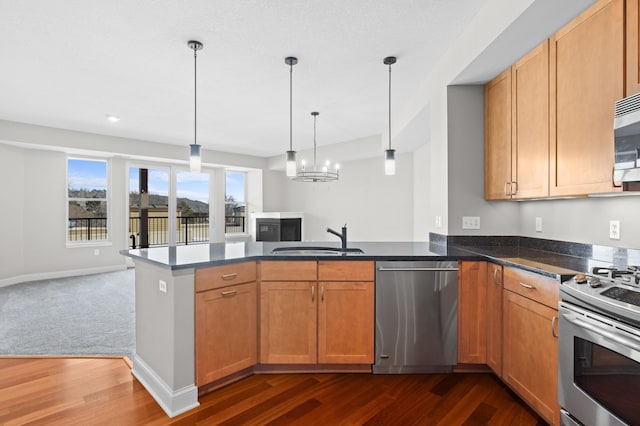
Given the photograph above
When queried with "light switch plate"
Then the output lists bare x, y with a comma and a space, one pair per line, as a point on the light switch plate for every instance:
614, 229
162, 286
438, 221
538, 224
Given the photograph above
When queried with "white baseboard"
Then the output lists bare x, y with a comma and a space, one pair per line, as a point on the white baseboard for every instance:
59, 274
172, 402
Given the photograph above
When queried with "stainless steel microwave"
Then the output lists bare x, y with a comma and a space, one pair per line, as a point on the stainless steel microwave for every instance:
626, 128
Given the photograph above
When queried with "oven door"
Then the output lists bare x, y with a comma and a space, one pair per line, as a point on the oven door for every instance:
599, 368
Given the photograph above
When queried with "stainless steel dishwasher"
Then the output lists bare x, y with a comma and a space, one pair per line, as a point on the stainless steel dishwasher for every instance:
416, 317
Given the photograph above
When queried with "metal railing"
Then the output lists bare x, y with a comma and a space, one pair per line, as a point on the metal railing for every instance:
188, 229
87, 229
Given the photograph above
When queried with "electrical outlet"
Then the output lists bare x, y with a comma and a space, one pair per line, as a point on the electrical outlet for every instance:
470, 222
96, 252
614, 229
162, 286
438, 221
538, 224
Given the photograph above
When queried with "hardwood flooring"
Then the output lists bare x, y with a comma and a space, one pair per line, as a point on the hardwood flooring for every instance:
102, 391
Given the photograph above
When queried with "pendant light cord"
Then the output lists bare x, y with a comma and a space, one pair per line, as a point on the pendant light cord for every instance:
389, 106
195, 95
314, 140
291, 106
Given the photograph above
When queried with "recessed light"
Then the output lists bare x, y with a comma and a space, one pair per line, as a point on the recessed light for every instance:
113, 118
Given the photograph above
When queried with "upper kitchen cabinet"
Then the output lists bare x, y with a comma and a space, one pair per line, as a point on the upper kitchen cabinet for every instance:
633, 47
517, 129
497, 145
587, 64
530, 125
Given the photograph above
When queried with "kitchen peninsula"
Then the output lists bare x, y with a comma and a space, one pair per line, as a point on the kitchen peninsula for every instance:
167, 286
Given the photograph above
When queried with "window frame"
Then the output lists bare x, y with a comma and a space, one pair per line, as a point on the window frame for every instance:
244, 203
109, 208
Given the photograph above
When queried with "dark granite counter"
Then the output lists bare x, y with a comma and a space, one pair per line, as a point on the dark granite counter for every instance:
555, 265
204, 255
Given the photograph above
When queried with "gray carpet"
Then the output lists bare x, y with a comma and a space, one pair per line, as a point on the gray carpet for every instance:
86, 315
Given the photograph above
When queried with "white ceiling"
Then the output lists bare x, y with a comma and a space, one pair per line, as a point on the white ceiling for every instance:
69, 63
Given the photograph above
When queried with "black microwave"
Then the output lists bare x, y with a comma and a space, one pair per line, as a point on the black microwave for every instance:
626, 129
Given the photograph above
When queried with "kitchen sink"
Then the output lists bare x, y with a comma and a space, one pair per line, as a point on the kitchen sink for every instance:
310, 250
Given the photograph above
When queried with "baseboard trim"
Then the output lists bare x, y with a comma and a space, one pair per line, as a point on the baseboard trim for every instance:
172, 402
59, 274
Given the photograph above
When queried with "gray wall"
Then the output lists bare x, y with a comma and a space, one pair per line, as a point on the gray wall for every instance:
12, 193
374, 206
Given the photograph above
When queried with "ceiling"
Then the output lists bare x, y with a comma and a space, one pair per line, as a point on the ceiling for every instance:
68, 64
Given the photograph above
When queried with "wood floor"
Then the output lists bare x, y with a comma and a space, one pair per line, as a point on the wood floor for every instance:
102, 391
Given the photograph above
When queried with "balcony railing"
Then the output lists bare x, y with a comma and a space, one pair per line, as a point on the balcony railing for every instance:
87, 229
188, 229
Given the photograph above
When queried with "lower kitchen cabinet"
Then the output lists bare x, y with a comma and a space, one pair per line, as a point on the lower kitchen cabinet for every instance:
330, 321
288, 317
494, 318
472, 313
346, 323
226, 331
530, 363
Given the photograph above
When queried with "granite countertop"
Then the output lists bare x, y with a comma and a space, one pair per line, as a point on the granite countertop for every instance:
551, 264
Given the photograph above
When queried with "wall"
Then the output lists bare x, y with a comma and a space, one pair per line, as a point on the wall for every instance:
12, 191
33, 176
374, 206
465, 119
584, 220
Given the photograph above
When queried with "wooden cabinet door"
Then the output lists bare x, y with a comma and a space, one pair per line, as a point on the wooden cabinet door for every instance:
346, 322
494, 318
530, 124
531, 353
587, 63
632, 18
288, 317
226, 331
497, 137
472, 325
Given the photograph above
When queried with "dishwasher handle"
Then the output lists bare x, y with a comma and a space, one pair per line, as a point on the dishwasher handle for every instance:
417, 269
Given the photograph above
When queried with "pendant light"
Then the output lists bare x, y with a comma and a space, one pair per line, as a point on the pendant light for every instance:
291, 154
315, 173
195, 161
390, 154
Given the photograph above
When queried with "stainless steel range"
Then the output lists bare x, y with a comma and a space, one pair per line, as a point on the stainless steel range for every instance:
599, 348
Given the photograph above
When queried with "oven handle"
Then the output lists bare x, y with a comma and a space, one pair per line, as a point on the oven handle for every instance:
626, 341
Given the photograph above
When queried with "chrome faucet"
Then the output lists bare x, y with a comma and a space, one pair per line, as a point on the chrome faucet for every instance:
342, 236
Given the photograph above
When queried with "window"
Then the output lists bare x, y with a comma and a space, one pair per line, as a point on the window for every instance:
235, 202
192, 207
87, 200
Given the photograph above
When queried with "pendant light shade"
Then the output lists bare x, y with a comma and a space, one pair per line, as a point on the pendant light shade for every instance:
195, 160
390, 154
390, 162
291, 154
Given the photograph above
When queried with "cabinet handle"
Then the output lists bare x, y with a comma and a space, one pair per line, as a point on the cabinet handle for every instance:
229, 293
514, 188
495, 276
529, 286
322, 293
313, 293
229, 276
507, 192
554, 321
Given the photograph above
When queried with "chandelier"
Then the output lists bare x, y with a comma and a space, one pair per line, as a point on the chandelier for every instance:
316, 173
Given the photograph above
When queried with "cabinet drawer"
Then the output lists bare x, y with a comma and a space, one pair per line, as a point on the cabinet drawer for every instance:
289, 270
225, 275
533, 286
345, 270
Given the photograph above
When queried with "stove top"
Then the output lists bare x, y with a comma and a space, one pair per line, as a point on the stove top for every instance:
611, 290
